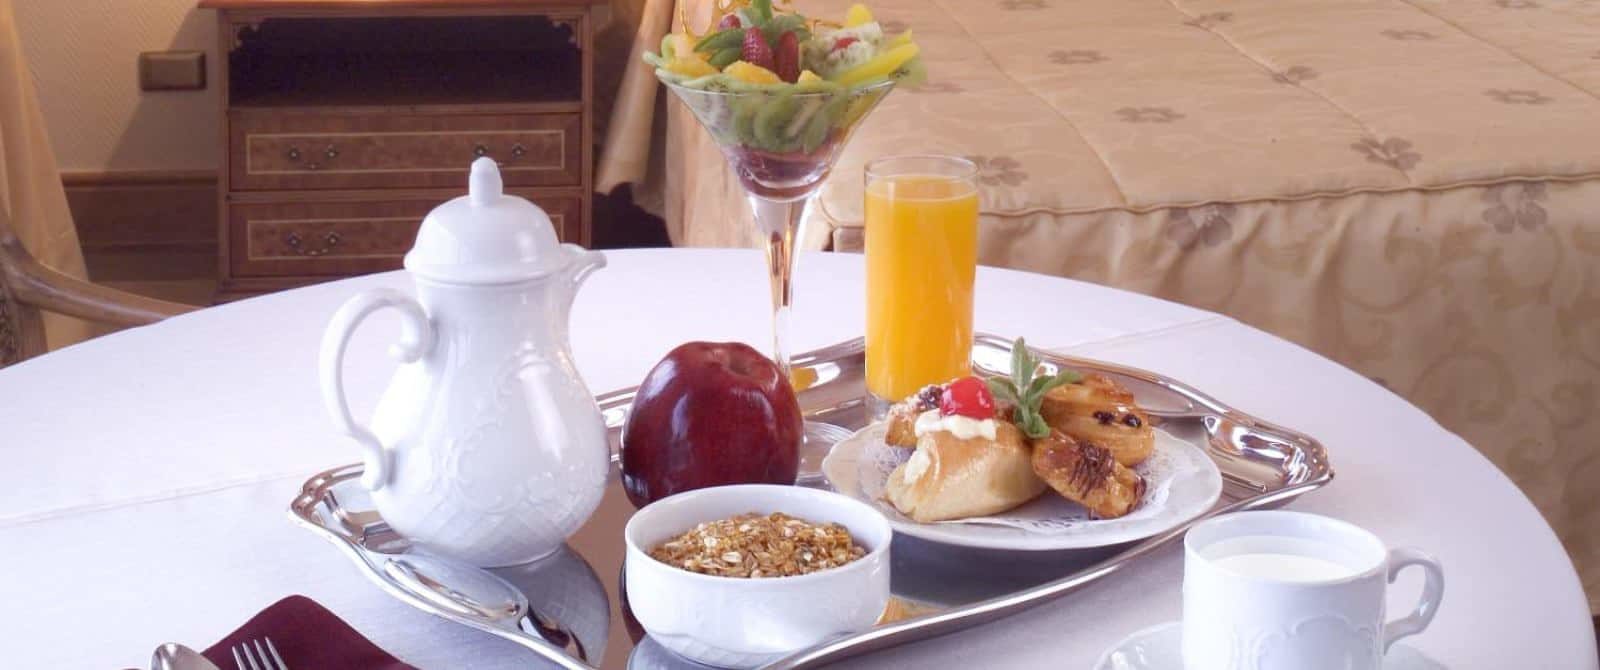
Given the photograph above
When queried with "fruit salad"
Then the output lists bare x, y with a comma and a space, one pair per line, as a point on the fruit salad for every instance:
756, 46
803, 83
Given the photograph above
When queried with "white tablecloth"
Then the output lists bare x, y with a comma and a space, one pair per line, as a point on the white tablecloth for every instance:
144, 476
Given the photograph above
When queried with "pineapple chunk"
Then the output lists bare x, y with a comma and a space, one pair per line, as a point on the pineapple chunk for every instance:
858, 15
691, 67
751, 73
682, 47
808, 77
803, 378
880, 66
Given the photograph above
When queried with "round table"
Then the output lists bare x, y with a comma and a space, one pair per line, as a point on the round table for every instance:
146, 473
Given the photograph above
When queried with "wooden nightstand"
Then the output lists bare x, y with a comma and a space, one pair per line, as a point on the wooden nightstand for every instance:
346, 121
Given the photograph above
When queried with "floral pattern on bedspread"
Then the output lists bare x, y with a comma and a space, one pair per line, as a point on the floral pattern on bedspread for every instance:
1295, 75
1207, 224
1077, 57
1393, 152
1513, 206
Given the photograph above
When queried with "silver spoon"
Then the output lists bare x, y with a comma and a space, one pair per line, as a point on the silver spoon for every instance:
477, 594
174, 656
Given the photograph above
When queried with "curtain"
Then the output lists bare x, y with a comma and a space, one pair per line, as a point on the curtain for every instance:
30, 183
630, 144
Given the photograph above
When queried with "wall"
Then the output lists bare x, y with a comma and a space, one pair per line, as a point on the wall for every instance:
84, 56
139, 166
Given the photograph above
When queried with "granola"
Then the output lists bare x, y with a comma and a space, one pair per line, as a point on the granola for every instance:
759, 546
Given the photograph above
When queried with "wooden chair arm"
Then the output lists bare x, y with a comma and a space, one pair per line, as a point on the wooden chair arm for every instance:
51, 291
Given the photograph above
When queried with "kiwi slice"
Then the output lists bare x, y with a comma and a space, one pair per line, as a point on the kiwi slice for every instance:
744, 119
816, 132
772, 119
797, 123
818, 86
823, 122
862, 102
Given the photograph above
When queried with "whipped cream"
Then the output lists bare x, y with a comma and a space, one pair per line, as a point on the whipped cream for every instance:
917, 465
963, 427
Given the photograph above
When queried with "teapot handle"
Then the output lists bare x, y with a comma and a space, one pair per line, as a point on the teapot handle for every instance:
416, 338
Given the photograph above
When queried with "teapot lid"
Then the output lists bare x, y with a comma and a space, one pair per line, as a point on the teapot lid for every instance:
486, 236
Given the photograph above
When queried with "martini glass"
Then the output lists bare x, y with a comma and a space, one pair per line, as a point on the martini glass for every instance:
781, 145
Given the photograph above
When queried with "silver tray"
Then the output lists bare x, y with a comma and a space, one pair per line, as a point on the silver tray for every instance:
577, 615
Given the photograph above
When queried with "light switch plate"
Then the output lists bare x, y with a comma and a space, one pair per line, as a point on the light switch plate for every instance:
172, 70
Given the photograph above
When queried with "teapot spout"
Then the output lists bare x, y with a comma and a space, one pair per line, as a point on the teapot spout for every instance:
584, 262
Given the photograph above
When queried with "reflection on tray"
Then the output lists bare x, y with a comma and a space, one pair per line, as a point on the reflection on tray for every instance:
566, 589
949, 575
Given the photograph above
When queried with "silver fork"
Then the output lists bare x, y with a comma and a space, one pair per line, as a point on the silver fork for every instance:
259, 658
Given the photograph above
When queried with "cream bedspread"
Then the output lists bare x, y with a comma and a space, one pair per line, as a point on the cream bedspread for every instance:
1410, 188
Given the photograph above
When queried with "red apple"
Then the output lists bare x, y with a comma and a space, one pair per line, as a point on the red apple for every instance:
709, 414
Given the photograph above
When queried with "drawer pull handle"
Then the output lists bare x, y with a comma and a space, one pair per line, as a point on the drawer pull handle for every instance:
517, 151
480, 151
331, 152
294, 153
296, 243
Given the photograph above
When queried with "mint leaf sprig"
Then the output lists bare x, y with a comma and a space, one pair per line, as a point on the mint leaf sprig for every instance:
1026, 391
725, 45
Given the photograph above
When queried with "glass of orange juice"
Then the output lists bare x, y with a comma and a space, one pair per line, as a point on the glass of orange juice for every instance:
922, 256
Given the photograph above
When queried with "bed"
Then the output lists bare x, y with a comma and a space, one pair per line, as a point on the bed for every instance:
1409, 188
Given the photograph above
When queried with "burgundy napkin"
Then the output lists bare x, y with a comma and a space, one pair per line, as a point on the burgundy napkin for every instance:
308, 636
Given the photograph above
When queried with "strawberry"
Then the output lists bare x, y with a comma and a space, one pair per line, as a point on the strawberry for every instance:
756, 51
844, 42
787, 57
729, 21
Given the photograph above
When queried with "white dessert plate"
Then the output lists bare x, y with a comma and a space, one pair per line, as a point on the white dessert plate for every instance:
1161, 648
1183, 483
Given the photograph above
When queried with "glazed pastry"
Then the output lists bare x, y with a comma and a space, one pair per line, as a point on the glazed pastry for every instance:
902, 418
1087, 474
951, 477
1100, 411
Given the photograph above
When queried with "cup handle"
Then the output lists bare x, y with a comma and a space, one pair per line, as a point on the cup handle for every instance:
416, 339
1432, 593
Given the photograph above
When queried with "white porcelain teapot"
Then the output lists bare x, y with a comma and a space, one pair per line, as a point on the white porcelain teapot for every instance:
486, 447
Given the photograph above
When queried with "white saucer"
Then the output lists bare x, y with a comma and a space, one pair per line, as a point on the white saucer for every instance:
1160, 648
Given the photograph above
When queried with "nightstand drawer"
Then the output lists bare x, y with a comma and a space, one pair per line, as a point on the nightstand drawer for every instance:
286, 150
300, 238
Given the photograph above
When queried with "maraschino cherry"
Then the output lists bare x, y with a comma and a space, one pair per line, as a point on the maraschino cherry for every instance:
968, 397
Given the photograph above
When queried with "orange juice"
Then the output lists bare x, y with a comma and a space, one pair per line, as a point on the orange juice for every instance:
922, 255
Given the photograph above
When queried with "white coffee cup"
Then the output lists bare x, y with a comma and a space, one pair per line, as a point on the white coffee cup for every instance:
1294, 591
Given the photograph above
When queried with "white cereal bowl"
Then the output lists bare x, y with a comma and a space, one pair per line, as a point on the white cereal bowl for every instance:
735, 622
